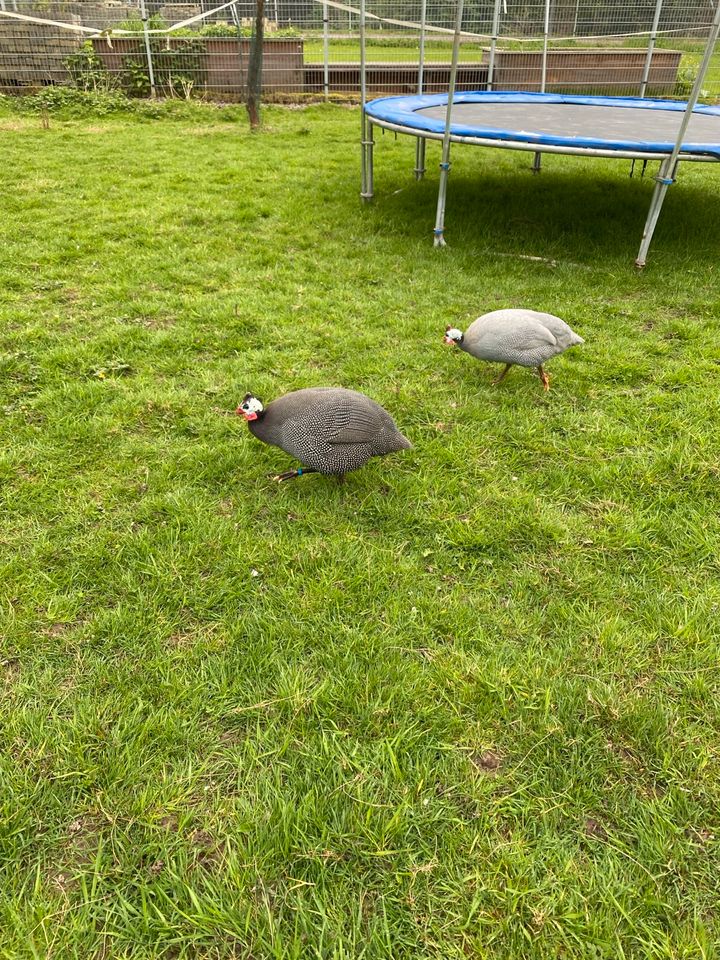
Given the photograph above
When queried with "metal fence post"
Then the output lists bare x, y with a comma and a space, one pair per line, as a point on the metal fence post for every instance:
326, 53
235, 17
651, 48
148, 51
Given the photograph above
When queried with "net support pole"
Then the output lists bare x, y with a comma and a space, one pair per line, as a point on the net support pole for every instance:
326, 53
235, 17
439, 231
651, 48
366, 170
420, 145
493, 43
537, 159
148, 51
666, 174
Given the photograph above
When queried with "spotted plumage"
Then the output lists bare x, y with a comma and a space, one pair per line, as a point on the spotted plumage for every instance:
328, 429
527, 338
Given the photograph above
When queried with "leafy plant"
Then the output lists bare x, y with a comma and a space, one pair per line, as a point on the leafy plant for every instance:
229, 30
86, 69
73, 102
687, 75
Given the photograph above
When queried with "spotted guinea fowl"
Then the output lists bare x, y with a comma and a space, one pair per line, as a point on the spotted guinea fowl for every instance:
328, 429
523, 337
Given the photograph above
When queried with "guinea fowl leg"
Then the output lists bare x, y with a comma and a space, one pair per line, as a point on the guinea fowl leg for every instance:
544, 377
291, 474
502, 375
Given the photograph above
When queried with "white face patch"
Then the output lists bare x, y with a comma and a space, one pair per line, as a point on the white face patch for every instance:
453, 335
252, 405
250, 408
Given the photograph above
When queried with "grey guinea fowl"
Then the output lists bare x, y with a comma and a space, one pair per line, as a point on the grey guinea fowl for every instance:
523, 337
328, 429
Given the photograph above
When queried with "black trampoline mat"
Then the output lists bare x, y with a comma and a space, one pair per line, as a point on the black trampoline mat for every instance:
597, 123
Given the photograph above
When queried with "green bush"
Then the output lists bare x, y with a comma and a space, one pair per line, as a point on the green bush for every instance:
73, 102
687, 74
229, 30
87, 71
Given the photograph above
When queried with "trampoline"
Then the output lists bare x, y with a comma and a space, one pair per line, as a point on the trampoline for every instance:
634, 128
623, 127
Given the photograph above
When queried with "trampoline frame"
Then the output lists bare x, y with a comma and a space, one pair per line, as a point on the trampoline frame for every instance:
669, 159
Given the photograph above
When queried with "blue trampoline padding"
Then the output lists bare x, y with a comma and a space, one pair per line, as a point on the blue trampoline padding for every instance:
404, 112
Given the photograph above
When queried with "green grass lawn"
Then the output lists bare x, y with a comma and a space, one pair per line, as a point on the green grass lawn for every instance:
348, 51
465, 704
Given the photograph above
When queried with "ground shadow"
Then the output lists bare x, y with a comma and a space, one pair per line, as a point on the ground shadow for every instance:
575, 209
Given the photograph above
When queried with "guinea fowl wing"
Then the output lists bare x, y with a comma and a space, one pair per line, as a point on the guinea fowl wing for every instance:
564, 334
531, 334
369, 427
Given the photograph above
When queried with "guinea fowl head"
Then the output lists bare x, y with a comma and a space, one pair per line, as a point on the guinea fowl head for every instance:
453, 335
250, 408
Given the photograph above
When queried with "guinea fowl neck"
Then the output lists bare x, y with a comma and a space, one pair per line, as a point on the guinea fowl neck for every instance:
264, 429
255, 426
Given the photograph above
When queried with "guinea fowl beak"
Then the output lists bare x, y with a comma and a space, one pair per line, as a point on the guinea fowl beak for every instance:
248, 414
448, 340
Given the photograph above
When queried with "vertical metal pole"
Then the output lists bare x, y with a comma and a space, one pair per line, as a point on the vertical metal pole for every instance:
420, 145
543, 74
276, 13
493, 43
666, 176
235, 16
546, 31
651, 48
365, 142
370, 170
326, 53
148, 52
445, 162
575, 21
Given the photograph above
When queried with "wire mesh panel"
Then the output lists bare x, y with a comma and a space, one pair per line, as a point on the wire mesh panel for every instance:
312, 47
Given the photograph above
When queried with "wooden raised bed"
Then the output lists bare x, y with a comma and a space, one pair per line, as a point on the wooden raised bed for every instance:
613, 71
389, 78
217, 65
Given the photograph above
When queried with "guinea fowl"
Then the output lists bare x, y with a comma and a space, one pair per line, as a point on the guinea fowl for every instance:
523, 337
328, 429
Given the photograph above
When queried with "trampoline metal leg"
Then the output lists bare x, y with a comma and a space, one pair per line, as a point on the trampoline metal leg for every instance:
663, 180
537, 160
439, 231
420, 158
368, 142
370, 164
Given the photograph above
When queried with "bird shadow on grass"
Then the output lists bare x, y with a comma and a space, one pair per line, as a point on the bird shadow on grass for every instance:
571, 211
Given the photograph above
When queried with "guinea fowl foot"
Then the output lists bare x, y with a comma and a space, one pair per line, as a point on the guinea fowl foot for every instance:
291, 474
545, 378
502, 376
